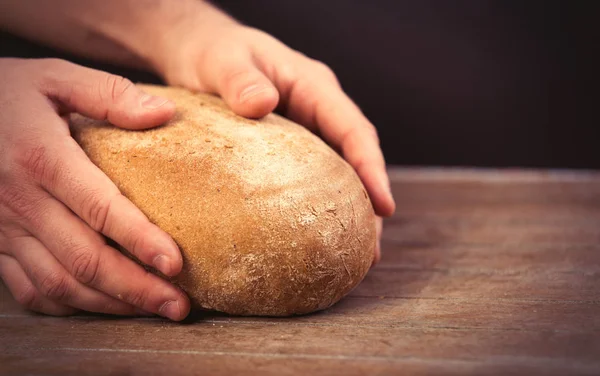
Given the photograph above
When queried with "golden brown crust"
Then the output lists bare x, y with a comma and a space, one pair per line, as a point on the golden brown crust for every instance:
269, 219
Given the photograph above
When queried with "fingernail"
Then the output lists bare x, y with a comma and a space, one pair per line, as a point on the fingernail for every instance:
171, 310
252, 91
163, 264
152, 102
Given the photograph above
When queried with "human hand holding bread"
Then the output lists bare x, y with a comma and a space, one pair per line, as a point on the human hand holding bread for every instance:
55, 203
253, 72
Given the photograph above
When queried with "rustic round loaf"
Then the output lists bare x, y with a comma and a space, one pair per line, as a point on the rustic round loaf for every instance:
269, 219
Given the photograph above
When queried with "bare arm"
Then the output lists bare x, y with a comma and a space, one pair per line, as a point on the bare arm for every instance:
124, 32
192, 44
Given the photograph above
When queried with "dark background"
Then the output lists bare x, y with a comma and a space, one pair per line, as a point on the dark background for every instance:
478, 82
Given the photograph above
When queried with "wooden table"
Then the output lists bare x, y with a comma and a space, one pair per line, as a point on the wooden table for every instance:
483, 272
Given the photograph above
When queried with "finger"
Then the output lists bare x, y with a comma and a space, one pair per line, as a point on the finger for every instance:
378, 231
104, 96
25, 293
342, 124
52, 280
232, 74
85, 256
63, 169
313, 98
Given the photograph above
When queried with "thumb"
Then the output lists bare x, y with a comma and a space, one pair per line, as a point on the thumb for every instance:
104, 96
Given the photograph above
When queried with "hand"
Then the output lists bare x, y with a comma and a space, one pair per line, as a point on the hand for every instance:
255, 73
55, 204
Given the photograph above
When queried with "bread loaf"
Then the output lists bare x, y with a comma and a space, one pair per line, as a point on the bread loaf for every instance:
270, 220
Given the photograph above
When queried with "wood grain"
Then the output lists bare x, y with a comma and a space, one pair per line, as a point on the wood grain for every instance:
483, 272
82, 362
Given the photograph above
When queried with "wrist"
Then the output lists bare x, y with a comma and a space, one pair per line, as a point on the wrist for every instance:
182, 39
154, 33
173, 32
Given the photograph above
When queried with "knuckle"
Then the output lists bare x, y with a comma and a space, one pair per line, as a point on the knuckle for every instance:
301, 89
359, 163
97, 210
324, 70
287, 74
21, 205
348, 135
135, 242
28, 298
38, 162
117, 86
111, 308
137, 298
372, 130
85, 266
254, 33
35, 160
56, 286
115, 306
356, 138
360, 132
13, 199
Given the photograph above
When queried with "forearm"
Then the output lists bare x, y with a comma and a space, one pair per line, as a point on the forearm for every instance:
125, 32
